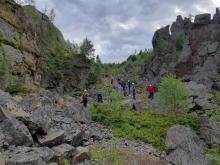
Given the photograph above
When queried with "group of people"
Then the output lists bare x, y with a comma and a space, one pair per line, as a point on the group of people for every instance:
126, 87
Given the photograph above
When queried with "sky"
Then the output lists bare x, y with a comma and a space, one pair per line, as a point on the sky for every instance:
119, 27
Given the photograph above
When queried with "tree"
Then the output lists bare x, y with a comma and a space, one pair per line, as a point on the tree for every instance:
172, 96
98, 60
52, 15
191, 17
72, 46
87, 48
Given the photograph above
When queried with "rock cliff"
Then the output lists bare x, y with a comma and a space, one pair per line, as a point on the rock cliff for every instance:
33, 51
189, 50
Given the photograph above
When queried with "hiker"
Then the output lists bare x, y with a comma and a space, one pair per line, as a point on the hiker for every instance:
151, 91
85, 98
119, 86
99, 96
123, 85
112, 81
133, 92
129, 87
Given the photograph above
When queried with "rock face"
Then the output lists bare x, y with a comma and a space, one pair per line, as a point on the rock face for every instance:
189, 50
29, 41
210, 131
184, 147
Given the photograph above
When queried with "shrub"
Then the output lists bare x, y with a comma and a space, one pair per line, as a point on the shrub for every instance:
216, 116
162, 47
172, 96
217, 97
179, 42
213, 154
15, 89
146, 127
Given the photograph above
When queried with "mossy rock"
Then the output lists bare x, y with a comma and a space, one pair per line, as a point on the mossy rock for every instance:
19, 71
29, 63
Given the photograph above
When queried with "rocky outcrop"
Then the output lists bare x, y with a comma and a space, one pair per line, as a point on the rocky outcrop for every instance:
30, 43
54, 128
184, 147
82, 153
210, 131
189, 50
12, 131
64, 151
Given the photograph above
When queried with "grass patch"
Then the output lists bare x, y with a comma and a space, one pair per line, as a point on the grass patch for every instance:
18, 89
110, 155
147, 127
214, 155
216, 116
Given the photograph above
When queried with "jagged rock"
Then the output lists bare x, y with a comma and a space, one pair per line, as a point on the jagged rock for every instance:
78, 113
82, 154
12, 131
212, 47
202, 19
8, 103
39, 101
8, 31
138, 106
75, 138
25, 155
53, 137
184, 147
41, 120
210, 131
161, 35
199, 93
177, 28
45, 153
216, 17
64, 151
184, 63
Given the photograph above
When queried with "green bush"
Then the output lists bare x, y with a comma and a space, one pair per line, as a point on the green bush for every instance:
214, 155
172, 96
16, 89
216, 116
180, 41
217, 97
147, 127
162, 47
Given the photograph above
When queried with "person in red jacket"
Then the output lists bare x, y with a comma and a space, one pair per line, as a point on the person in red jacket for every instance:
151, 91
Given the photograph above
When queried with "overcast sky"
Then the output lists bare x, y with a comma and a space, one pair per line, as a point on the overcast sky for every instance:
119, 27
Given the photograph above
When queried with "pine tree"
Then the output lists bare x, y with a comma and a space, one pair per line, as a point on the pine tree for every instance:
87, 48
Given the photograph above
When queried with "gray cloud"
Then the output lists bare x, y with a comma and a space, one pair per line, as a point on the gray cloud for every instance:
118, 27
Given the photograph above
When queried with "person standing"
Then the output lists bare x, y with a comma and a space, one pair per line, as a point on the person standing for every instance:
151, 91
99, 96
133, 92
85, 98
129, 87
